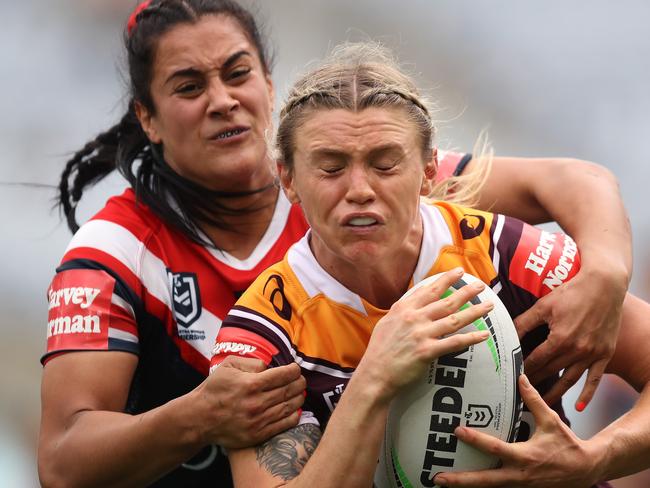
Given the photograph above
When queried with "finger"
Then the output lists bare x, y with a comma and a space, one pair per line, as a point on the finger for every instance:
531, 318
282, 410
279, 376
594, 376
459, 300
457, 342
569, 377
278, 426
283, 393
434, 290
534, 401
487, 443
456, 321
539, 360
554, 366
248, 365
488, 478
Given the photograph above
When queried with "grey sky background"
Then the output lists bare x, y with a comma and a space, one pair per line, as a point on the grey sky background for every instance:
553, 78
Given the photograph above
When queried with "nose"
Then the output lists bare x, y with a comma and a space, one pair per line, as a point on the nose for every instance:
360, 189
221, 101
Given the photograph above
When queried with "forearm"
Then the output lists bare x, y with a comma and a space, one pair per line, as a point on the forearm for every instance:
584, 199
351, 442
102, 448
346, 455
624, 445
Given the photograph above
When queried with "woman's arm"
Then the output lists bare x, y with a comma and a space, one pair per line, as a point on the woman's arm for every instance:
87, 440
347, 453
583, 315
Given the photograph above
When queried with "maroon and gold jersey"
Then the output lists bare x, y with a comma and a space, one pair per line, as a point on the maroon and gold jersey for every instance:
296, 312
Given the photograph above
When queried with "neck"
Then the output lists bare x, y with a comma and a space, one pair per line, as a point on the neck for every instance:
246, 230
382, 280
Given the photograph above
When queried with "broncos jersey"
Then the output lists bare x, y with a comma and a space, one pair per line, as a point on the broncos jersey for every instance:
296, 312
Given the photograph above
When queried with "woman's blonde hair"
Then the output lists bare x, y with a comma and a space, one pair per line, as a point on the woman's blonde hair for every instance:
356, 76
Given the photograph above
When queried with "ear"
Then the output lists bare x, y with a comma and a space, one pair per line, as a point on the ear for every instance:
271, 91
286, 179
430, 170
147, 122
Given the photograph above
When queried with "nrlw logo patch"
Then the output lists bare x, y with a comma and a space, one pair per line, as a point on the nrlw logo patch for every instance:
186, 300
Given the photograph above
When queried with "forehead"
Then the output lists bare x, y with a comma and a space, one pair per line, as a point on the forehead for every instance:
205, 44
348, 132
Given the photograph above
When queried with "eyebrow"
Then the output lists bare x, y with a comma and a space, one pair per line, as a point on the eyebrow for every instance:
191, 72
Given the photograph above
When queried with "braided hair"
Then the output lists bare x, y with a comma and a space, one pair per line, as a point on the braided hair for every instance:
176, 200
356, 76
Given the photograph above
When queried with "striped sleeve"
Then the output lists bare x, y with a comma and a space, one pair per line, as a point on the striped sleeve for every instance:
94, 298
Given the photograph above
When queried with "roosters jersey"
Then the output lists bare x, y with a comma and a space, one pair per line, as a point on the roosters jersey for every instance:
128, 282
296, 312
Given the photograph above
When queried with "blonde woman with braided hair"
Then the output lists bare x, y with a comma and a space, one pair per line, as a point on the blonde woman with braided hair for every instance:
355, 152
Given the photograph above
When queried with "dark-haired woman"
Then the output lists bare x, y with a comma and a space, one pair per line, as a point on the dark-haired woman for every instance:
143, 286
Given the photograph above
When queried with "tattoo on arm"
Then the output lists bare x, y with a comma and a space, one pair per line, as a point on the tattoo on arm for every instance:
286, 454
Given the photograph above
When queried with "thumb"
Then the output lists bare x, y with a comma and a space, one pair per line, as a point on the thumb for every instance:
247, 365
533, 400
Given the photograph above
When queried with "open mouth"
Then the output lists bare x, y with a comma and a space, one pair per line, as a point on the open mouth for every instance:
229, 133
362, 221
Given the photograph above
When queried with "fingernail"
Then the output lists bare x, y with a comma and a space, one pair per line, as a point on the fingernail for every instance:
460, 430
440, 481
478, 285
525, 381
459, 270
580, 406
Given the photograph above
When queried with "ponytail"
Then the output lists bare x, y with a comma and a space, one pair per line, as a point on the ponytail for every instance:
96, 160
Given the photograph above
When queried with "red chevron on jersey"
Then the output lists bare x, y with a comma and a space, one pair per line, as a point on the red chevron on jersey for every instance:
543, 261
79, 316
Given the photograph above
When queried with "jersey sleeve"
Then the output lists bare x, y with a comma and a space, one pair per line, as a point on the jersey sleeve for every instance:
531, 261
260, 325
88, 312
450, 164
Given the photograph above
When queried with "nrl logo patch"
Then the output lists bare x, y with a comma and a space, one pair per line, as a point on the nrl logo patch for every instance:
186, 300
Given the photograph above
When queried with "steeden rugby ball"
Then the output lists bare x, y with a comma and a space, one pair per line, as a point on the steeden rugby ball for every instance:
476, 388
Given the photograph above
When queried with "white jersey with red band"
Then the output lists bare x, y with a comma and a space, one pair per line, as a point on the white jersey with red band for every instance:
302, 314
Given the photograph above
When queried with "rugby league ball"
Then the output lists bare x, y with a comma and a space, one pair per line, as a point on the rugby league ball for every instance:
476, 387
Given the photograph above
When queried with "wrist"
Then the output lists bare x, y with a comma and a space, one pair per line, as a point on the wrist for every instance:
598, 452
611, 271
606, 266
191, 425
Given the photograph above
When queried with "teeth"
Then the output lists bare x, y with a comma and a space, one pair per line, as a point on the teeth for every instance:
362, 221
230, 133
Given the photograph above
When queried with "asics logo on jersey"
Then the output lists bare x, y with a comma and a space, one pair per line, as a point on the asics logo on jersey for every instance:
472, 226
284, 310
78, 295
233, 347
